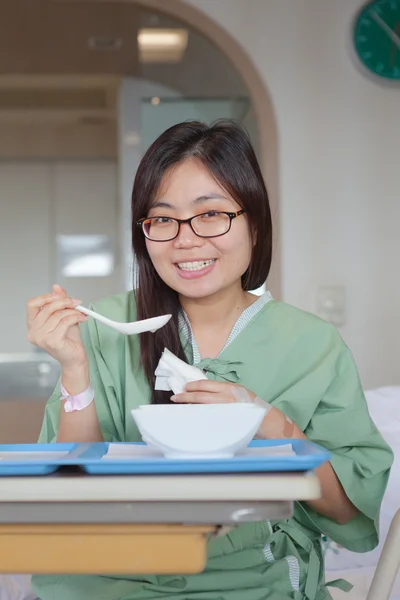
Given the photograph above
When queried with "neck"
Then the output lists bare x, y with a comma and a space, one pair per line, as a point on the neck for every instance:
217, 311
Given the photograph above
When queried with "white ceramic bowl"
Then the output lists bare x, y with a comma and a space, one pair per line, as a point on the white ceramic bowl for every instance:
198, 430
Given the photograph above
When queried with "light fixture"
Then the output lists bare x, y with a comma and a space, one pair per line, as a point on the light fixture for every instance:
155, 100
162, 45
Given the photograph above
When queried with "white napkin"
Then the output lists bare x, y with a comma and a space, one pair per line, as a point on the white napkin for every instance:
172, 373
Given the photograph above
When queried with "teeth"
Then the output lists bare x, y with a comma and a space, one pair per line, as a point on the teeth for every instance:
196, 265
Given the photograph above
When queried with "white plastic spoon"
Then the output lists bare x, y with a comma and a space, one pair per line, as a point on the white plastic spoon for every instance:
128, 328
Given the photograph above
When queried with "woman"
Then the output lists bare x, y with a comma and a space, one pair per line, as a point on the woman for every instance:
202, 237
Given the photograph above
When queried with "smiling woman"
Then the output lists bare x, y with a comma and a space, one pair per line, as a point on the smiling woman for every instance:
194, 167
204, 239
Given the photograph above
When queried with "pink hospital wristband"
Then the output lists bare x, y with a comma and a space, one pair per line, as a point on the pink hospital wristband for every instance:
77, 402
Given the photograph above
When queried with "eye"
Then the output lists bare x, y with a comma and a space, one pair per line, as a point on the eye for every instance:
161, 220
210, 214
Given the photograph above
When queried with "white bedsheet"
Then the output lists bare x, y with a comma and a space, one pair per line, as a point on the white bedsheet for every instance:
16, 587
384, 407
361, 579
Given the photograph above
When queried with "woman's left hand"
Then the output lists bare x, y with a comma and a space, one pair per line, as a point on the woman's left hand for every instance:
207, 391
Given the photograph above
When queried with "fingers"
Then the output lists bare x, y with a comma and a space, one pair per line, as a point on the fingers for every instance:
208, 385
55, 339
60, 291
202, 398
208, 391
52, 307
52, 325
58, 317
34, 305
49, 317
55, 328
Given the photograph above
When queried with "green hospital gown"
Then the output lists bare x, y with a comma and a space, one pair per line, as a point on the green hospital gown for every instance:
298, 363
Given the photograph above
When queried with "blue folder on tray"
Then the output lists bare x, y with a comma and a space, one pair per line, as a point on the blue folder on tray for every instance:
261, 456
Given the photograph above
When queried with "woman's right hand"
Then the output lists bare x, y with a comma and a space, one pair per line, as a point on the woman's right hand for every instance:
53, 325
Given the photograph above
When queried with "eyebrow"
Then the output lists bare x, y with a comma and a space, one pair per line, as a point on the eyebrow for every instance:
196, 201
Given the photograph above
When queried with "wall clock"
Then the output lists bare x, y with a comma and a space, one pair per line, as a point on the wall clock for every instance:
376, 38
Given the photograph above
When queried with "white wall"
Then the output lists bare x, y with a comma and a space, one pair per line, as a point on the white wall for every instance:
25, 246
339, 135
30, 139
38, 201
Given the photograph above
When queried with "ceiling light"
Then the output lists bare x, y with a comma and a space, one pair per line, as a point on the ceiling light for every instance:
155, 100
162, 45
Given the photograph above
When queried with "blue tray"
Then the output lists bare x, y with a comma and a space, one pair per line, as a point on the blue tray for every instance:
36, 465
307, 457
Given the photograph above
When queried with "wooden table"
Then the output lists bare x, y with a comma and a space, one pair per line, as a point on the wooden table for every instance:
77, 523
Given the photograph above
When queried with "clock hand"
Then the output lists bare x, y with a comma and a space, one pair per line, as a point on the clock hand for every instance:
393, 36
393, 50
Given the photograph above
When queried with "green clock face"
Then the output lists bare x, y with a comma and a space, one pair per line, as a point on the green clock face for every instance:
377, 38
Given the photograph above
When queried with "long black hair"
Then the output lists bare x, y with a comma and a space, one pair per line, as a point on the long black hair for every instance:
225, 150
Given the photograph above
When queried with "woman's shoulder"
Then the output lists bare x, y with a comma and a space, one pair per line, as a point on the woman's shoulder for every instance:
292, 326
292, 317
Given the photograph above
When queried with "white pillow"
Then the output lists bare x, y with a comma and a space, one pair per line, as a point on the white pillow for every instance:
16, 587
384, 408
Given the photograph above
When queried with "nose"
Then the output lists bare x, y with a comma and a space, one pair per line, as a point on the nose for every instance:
187, 238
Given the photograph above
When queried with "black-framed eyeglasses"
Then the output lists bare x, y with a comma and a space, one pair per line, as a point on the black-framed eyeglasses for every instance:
213, 223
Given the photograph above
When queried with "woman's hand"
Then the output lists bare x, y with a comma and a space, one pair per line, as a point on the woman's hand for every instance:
53, 326
275, 423
207, 391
